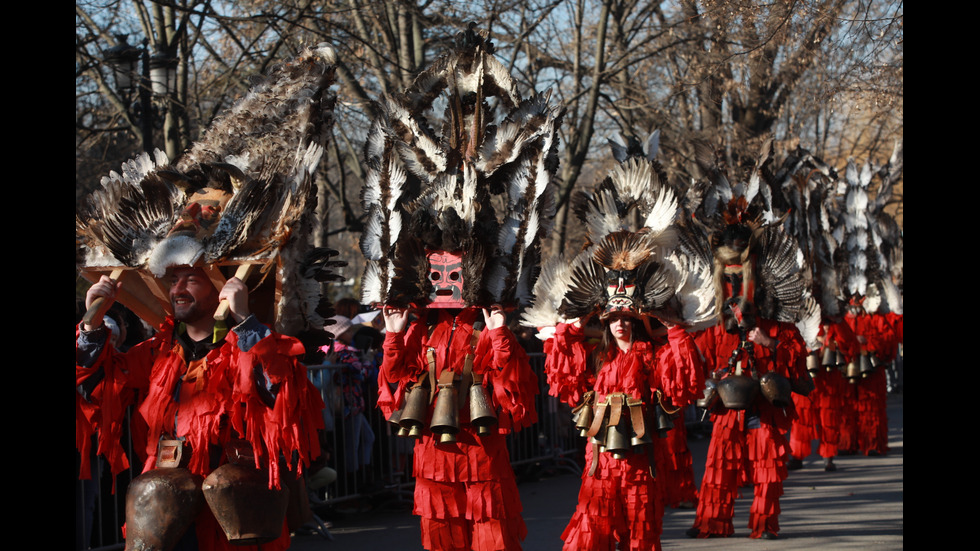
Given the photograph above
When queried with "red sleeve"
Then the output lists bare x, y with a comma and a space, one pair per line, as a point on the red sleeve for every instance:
400, 364
509, 373
680, 367
125, 379
566, 365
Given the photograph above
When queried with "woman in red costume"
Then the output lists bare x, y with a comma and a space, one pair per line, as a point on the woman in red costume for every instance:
819, 414
620, 499
465, 490
752, 437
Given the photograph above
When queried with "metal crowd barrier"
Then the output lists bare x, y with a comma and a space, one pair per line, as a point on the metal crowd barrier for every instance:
369, 464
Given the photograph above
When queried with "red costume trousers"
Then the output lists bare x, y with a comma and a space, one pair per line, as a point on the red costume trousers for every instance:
735, 447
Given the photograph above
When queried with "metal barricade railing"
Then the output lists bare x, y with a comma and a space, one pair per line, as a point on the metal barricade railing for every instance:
550, 441
369, 459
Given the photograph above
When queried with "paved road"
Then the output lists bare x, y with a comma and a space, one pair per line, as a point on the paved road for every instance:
860, 506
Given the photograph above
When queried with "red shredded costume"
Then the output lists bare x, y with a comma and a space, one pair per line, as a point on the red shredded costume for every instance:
620, 500
465, 491
865, 425
217, 402
819, 414
752, 438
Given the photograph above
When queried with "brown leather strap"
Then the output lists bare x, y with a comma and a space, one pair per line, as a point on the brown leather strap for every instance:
637, 417
595, 458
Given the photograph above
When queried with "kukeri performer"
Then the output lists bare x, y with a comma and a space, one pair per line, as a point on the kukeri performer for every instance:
754, 355
445, 266
222, 402
627, 389
819, 413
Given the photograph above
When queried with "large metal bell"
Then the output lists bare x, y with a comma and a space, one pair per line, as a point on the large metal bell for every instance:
413, 415
617, 441
445, 417
738, 391
248, 511
160, 506
664, 422
777, 389
482, 415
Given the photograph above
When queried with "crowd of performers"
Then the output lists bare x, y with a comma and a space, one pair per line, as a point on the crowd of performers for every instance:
677, 299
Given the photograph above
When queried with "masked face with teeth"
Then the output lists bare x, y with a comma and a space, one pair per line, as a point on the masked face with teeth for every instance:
446, 276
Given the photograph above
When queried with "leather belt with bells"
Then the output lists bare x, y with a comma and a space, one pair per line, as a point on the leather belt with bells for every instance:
614, 404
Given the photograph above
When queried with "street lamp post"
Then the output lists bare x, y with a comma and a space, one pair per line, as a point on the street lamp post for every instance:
154, 81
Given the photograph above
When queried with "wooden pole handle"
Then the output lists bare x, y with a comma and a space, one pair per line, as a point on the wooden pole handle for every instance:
244, 270
97, 303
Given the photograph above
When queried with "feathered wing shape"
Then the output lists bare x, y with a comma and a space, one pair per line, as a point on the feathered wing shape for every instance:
782, 276
480, 185
809, 323
262, 154
633, 234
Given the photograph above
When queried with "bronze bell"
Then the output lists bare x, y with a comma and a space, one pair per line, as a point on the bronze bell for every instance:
248, 511
829, 357
710, 396
839, 359
445, 417
583, 416
815, 364
482, 415
777, 389
664, 422
413, 415
853, 372
866, 365
617, 443
738, 391
160, 506
641, 440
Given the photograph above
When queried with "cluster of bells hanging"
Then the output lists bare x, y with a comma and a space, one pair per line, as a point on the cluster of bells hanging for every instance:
614, 432
409, 422
832, 359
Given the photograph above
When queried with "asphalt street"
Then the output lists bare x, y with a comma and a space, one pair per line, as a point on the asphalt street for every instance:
859, 506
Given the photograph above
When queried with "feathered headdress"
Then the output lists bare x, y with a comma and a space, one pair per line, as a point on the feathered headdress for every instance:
468, 203
868, 259
758, 269
630, 263
242, 195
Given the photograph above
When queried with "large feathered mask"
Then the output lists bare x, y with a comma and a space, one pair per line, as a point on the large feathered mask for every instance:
630, 263
758, 270
243, 195
458, 204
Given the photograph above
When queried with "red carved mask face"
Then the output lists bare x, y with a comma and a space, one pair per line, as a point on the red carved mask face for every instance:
446, 275
200, 217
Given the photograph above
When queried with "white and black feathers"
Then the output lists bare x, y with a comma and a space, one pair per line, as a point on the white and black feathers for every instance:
446, 172
759, 270
868, 258
262, 154
631, 220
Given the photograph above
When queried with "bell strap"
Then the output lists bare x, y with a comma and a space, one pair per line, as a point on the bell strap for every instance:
636, 416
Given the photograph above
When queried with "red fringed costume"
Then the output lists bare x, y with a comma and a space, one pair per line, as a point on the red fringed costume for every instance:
819, 414
217, 400
465, 491
864, 427
750, 439
620, 500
